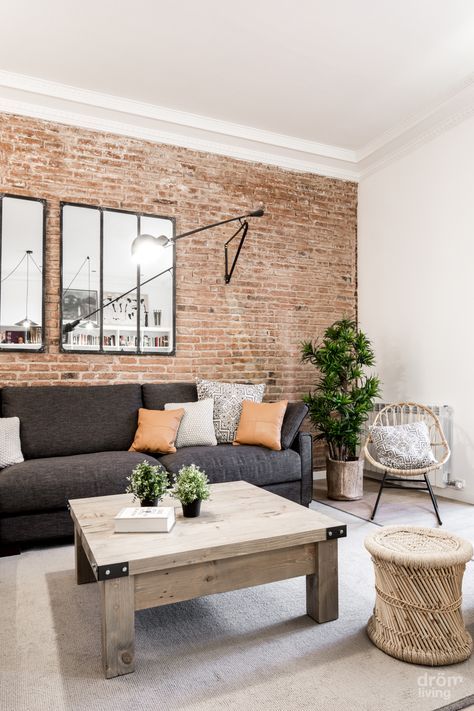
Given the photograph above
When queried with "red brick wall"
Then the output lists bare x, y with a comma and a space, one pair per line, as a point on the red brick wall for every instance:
296, 274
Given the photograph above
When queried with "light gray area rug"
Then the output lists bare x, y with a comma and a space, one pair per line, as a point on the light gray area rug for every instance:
402, 506
466, 704
244, 650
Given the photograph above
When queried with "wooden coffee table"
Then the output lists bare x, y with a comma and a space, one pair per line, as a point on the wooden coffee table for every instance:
245, 536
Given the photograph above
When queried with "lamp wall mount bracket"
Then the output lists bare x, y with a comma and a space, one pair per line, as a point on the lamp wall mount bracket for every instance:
244, 226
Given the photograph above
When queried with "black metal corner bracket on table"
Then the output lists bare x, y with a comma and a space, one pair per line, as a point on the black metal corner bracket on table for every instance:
109, 572
336, 532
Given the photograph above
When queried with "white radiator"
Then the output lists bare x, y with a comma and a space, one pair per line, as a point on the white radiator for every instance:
441, 476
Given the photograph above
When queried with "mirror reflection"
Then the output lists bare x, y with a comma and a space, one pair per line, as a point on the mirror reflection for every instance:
21, 272
118, 304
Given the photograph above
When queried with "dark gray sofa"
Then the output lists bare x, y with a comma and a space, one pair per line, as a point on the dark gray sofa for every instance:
75, 442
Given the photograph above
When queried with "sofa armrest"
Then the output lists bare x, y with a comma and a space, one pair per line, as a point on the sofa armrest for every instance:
303, 444
294, 416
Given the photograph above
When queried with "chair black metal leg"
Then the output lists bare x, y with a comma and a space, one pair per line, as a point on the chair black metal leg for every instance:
378, 496
433, 499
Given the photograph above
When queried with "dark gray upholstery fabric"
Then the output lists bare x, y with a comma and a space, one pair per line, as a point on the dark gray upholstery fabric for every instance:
290, 490
48, 483
94, 426
303, 444
156, 395
39, 526
257, 465
60, 421
294, 416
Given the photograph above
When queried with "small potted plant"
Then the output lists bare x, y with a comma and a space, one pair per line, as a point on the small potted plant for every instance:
341, 401
191, 487
148, 483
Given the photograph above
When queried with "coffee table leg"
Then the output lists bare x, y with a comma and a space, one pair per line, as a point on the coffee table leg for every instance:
322, 602
84, 572
118, 626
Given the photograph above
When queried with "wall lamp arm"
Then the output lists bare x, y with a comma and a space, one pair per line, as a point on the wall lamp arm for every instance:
255, 213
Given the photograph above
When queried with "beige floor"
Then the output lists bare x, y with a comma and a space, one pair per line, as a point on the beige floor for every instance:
247, 650
403, 507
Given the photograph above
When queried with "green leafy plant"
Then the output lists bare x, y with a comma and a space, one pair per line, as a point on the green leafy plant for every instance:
191, 484
344, 394
148, 481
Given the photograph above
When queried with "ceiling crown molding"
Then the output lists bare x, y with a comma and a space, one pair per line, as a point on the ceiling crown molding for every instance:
51, 101
417, 130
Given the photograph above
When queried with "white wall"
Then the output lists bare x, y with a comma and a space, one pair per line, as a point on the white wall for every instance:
416, 281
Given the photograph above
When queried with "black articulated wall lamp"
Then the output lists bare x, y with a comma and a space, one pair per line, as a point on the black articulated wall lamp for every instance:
145, 247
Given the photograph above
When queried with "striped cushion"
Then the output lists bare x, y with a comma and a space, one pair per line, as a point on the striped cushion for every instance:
10, 444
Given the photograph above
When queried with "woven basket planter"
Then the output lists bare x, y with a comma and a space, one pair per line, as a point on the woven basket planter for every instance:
345, 480
418, 581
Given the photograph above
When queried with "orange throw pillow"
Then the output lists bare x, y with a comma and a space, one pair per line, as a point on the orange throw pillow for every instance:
260, 423
157, 430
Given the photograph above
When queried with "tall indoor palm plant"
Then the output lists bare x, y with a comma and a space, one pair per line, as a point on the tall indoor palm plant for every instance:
341, 401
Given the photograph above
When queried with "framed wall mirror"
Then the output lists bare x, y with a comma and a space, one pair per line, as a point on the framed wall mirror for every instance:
119, 306
22, 231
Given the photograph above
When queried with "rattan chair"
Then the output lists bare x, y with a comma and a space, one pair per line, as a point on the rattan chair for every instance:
400, 414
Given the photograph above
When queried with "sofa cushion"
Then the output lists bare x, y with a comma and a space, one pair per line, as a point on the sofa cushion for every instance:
197, 426
59, 421
10, 444
228, 399
294, 416
257, 465
48, 483
157, 430
156, 395
260, 424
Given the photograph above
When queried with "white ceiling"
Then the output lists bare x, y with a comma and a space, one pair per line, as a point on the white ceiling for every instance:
348, 74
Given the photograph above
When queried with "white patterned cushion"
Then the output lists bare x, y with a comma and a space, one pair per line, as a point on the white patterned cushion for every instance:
403, 446
10, 444
228, 399
197, 425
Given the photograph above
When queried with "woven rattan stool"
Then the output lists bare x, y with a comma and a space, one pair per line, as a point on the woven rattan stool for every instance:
418, 580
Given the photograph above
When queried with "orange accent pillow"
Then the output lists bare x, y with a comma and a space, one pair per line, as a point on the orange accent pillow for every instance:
157, 430
260, 423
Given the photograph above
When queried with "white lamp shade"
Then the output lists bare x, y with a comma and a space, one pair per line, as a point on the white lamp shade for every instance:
146, 247
26, 323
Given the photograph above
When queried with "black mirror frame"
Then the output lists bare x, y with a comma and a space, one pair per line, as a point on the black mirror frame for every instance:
100, 350
42, 347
